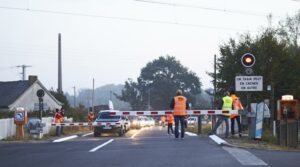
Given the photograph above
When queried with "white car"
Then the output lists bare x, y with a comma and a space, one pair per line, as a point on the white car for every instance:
192, 120
111, 123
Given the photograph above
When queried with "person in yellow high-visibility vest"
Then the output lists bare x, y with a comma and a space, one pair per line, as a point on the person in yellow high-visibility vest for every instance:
226, 106
179, 105
237, 105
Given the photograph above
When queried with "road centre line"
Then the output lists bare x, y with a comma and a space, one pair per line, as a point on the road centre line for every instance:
65, 139
102, 145
87, 134
244, 156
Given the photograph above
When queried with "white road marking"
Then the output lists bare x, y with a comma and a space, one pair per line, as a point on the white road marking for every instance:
65, 138
191, 134
244, 156
217, 139
133, 136
87, 134
102, 145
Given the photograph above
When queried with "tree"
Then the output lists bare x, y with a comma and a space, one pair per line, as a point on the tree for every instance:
62, 98
158, 83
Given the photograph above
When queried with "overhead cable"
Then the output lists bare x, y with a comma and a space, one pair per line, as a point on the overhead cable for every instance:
122, 18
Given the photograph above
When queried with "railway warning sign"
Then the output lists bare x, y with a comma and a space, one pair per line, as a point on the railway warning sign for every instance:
249, 83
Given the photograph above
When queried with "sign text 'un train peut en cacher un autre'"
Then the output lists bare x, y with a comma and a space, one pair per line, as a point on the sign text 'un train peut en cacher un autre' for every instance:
248, 83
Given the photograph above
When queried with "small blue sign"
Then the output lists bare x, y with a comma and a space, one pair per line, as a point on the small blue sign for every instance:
19, 116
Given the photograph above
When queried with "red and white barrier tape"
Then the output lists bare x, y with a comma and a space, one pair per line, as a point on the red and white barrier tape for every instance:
189, 112
87, 124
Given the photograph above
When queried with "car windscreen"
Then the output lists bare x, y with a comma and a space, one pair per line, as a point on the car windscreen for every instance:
106, 115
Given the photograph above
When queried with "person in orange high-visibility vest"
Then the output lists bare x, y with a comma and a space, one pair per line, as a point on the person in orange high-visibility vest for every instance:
163, 121
91, 118
237, 105
170, 120
58, 119
179, 105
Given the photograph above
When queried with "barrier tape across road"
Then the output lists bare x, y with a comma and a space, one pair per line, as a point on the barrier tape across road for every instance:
87, 124
189, 112
145, 113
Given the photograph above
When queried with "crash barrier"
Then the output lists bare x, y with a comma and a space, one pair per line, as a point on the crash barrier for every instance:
145, 113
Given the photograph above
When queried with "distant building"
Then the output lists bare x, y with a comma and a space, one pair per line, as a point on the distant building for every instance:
15, 94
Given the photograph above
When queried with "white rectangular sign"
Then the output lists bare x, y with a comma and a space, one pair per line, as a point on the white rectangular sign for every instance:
248, 83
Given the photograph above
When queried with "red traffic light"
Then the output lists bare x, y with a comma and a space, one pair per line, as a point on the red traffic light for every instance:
248, 60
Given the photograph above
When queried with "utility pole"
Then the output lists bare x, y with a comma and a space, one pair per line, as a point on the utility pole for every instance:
59, 88
74, 96
23, 73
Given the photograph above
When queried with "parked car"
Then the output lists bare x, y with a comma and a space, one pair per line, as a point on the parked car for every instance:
112, 123
192, 120
135, 122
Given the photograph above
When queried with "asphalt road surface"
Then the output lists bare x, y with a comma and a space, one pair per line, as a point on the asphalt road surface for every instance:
148, 147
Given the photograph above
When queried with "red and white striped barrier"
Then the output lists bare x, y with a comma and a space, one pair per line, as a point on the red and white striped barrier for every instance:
87, 124
146, 113
189, 112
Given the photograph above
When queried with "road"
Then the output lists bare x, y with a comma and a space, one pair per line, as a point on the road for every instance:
148, 147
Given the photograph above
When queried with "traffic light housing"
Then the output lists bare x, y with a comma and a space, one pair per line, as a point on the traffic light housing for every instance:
248, 60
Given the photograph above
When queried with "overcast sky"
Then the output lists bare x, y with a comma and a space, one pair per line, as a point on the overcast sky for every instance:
111, 40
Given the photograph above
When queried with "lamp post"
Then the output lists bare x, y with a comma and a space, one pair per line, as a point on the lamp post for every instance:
149, 99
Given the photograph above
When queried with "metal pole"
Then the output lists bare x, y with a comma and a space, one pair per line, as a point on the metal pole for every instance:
213, 118
24, 73
59, 89
149, 99
74, 96
93, 95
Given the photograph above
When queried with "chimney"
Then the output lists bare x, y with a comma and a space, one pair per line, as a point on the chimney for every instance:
32, 79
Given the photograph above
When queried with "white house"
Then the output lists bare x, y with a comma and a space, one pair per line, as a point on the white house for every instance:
15, 94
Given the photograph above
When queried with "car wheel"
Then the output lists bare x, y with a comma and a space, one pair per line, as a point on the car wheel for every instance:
121, 131
96, 132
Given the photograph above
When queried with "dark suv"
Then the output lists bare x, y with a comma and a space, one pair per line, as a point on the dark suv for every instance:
111, 123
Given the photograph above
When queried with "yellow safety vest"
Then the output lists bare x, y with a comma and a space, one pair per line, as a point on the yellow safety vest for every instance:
227, 104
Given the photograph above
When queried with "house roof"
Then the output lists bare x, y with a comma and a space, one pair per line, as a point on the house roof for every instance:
10, 91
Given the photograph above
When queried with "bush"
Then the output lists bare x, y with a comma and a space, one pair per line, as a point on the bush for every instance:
268, 136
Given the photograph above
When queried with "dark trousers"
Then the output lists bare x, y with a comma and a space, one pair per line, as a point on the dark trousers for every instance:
58, 131
238, 120
170, 128
177, 120
222, 118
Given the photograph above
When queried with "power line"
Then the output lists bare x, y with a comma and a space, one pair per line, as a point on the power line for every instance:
205, 8
123, 18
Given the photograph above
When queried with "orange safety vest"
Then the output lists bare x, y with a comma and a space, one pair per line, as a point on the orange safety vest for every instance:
58, 118
179, 106
237, 105
91, 117
170, 119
